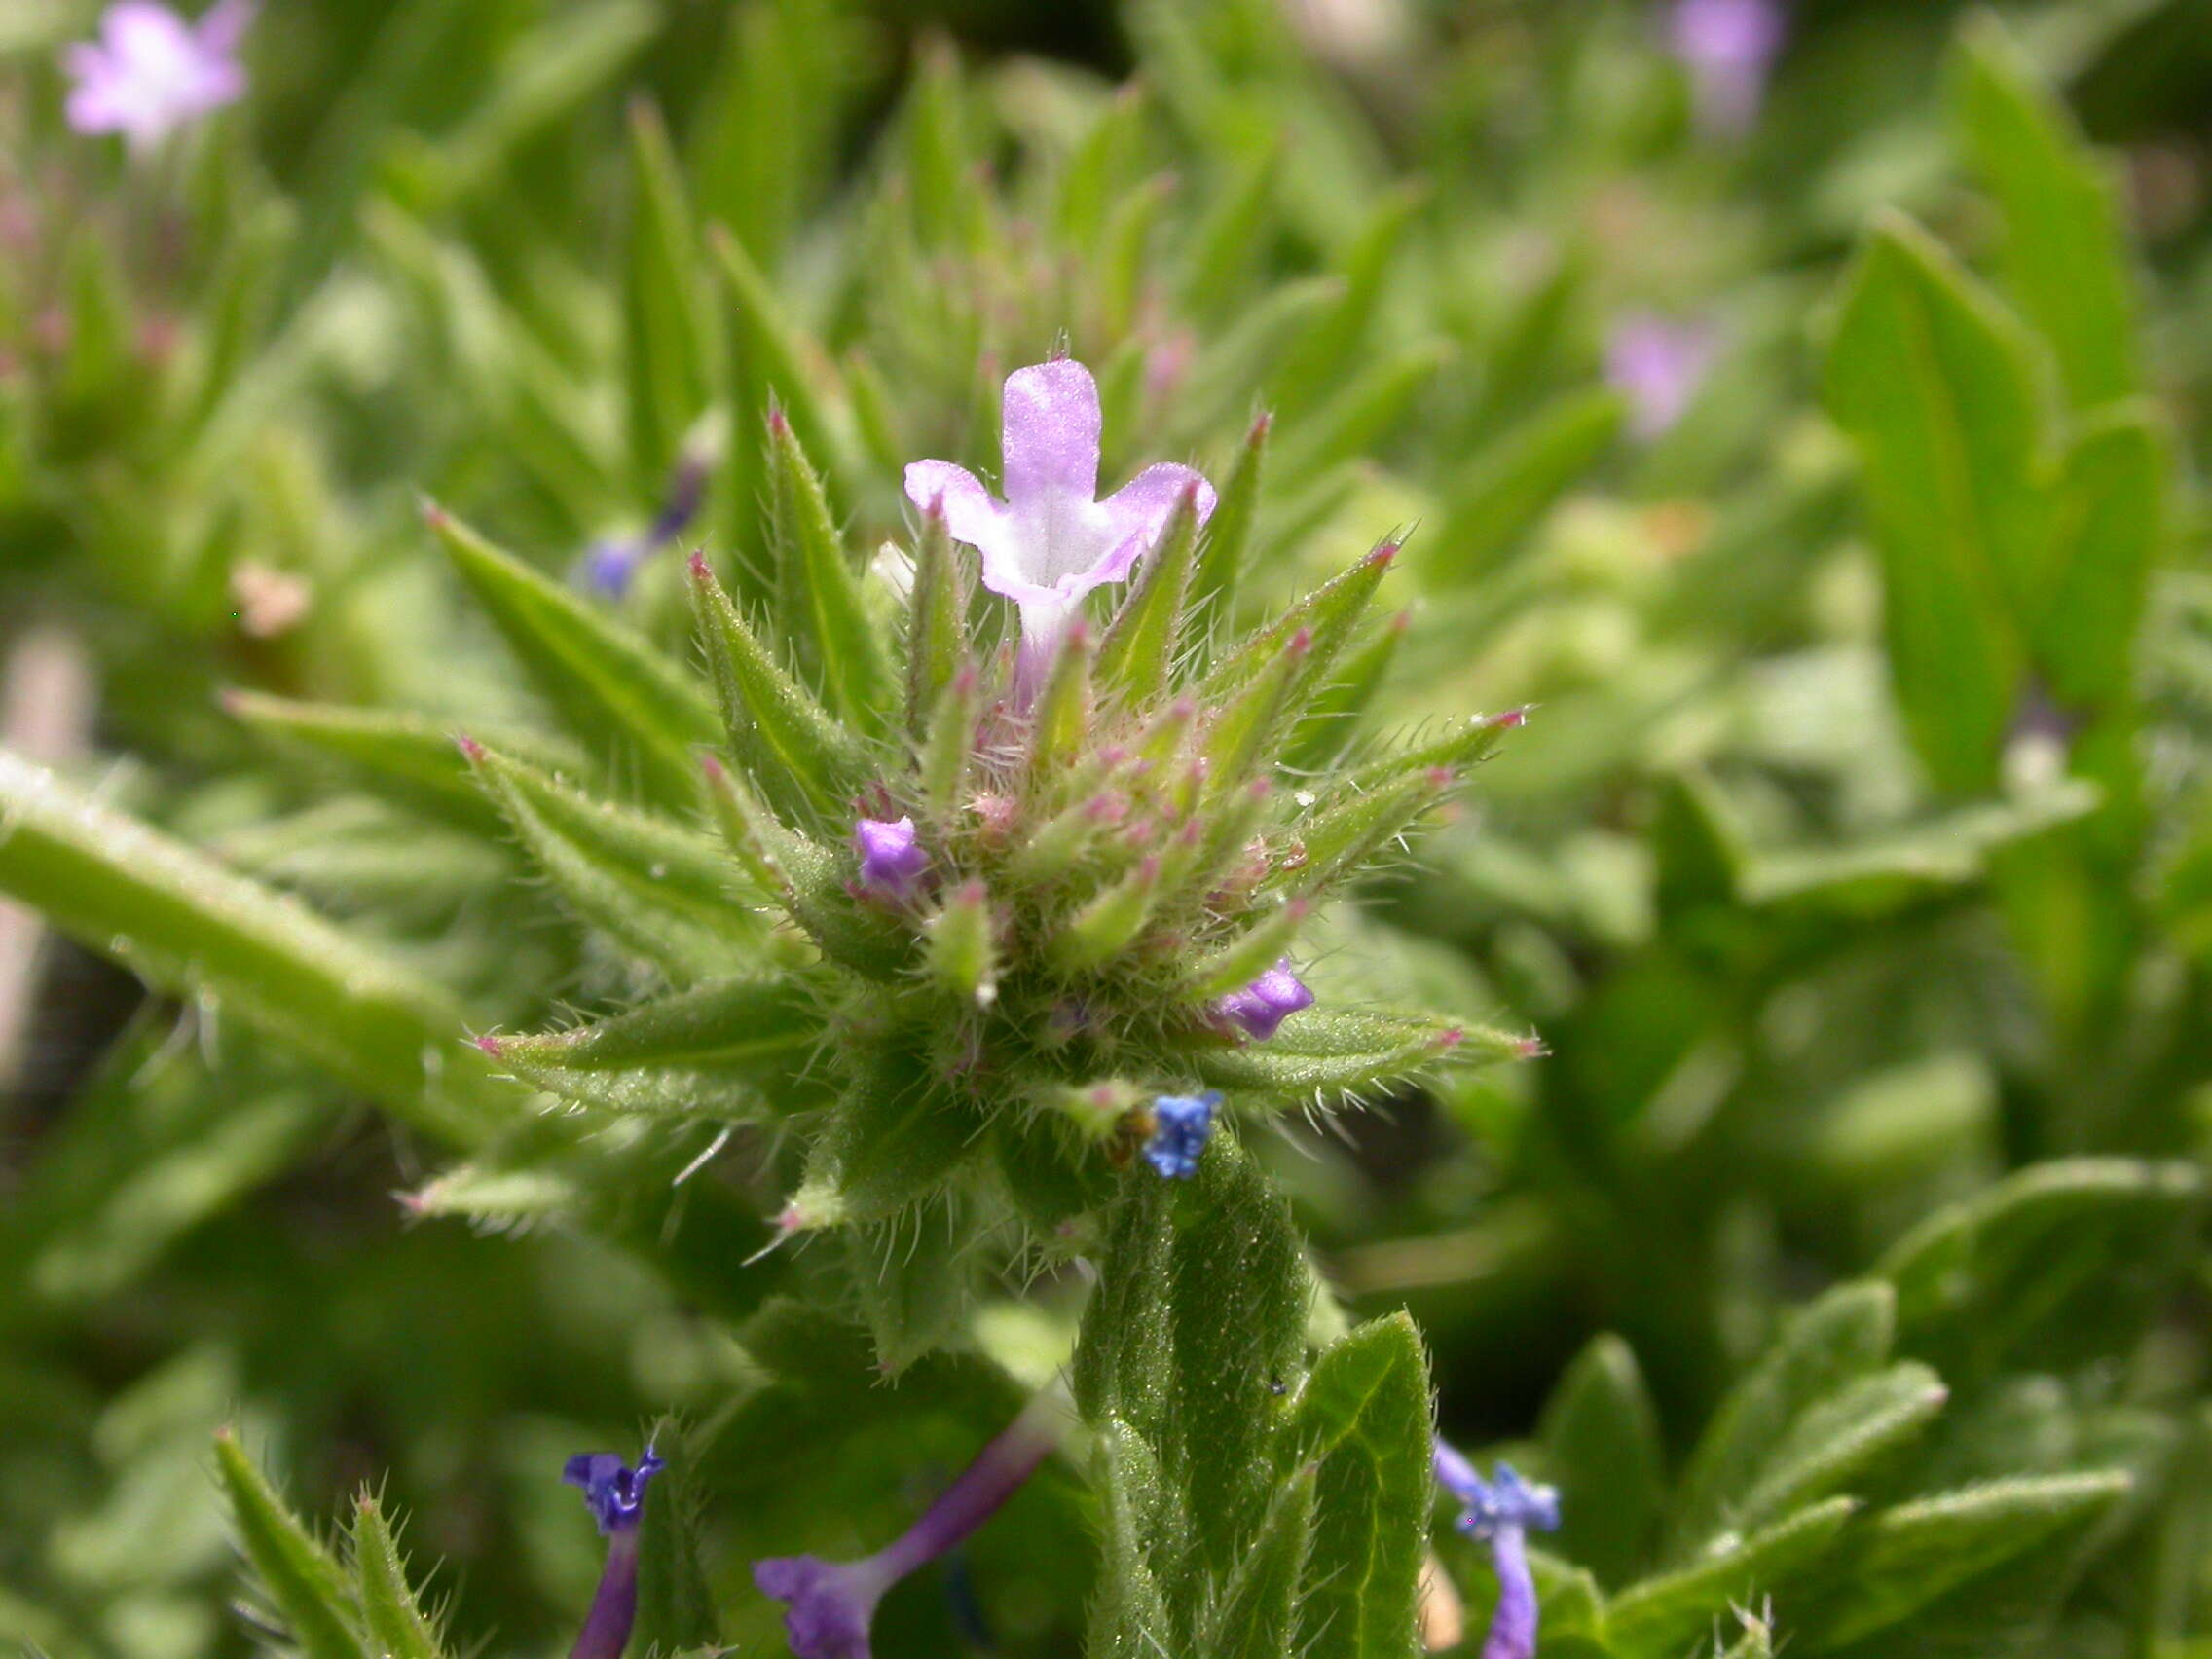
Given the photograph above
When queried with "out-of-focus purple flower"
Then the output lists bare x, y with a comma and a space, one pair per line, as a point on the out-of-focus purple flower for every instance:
1181, 1127
609, 566
1262, 1007
891, 859
1500, 1512
1729, 48
1658, 366
1052, 540
151, 72
617, 1496
829, 1605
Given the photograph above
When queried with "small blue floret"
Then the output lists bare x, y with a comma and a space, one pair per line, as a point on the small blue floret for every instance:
614, 1492
1181, 1127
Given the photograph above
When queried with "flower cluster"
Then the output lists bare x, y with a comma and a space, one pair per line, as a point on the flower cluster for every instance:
615, 1495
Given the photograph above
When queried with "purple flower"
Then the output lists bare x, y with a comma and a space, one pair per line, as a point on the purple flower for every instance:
1658, 365
1500, 1512
1052, 540
892, 861
607, 568
617, 1496
151, 72
1728, 45
1181, 1127
829, 1605
1261, 1006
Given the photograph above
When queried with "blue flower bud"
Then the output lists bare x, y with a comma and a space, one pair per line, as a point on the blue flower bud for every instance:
1182, 1124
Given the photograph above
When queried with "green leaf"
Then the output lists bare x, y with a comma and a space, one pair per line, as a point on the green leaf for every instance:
409, 760
619, 695
2108, 525
771, 361
803, 759
1226, 543
1950, 1551
1859, 1428
1660, 1618
2065, 254
665, 894
1601, 1437
1256, 1617
1935, 385
676, 1610
302, 1579
916, 1284
396, 1624
1139, 650
1510, 485
726, 1024
937, 625
1837, 1342
670, 349
893, 1141
1364, 1418
189, 927
2057, 1264
1335, 1051
817, 592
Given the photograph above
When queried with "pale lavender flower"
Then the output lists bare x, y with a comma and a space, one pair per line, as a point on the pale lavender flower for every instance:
1500, 1512
617, 1496
1052, 540
151, 72
829, 1605
1729, 48
1658, 366
1181, 1127
1262, 1007
891, 859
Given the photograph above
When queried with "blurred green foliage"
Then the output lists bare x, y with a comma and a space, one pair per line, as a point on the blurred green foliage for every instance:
1847, 1249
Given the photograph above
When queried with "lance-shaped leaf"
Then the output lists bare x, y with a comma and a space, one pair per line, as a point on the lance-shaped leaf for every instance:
661, 891
1510, 485
1859, 1428
676, 1610
937, 623
1227, 540
2108, 525
1345, 837
1342, 1051
1364, 414
2065, 254
393, 1617
1238, 964
1316, 366
771, 361
305, 1584
803, 759
808, 879
1110, 923
916, 1283
952, 738
961, 953
1951, 1572
1331, 721
817, 592
615, 693
1329, 616
1364, 1420
1663, 1616
1835, 1343
189, 927
1601, 1437
1257, 1615
1935, 385
1240, 739
407, 758
738, 1025
669, 347
892, 1142
1139, 648
1061, 724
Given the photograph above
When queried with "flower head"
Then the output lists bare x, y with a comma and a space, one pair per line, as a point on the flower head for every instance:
1182, 1124
617, 1496
1262, 1007
829, 1605
1052, 540
1500, 1512
151, 72
1728, 45
614, 1492
1658, 365
891, 859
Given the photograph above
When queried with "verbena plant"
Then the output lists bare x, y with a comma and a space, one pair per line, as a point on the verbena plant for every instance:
935, 919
